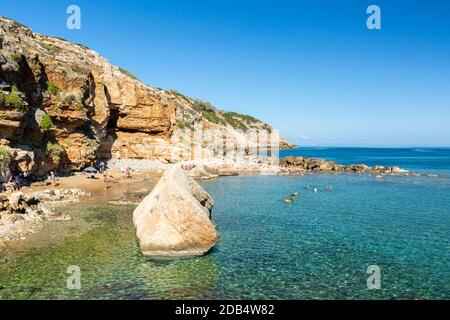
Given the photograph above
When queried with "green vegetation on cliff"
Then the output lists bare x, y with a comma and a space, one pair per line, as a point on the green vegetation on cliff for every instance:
208, 111
53, 88
16, 56
46, 123
13, 99
5, 158
233, 120
55, 151
128, 73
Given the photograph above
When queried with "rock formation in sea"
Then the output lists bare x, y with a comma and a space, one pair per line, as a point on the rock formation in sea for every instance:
174, 220
294, 164
63, 106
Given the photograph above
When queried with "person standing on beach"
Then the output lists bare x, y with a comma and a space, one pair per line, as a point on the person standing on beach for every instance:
52, 177
128, 173
101, 167
16, 182
105, 176
25, 177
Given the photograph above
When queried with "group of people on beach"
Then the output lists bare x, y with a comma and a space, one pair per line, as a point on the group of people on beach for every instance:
107, 177
14, 180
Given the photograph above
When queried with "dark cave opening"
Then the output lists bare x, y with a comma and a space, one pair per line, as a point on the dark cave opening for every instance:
113, 118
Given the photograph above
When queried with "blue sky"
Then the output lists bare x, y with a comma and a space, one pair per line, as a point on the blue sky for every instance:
310, 68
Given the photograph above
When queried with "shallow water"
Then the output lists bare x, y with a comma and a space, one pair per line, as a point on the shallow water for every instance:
314, 248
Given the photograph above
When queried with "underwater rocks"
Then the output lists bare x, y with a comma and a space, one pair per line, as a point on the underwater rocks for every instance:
294, 164
60, 195
21, 213
174, 220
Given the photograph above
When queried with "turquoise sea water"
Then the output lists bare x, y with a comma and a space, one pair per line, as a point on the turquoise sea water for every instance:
318, 247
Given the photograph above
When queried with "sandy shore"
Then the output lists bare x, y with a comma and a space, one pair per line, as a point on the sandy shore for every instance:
25, 234
95, 185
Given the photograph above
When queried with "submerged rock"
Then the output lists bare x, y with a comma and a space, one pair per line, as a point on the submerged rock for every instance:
203, 172
174, 220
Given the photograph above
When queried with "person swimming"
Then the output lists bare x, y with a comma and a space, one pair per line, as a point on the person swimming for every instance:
291, 198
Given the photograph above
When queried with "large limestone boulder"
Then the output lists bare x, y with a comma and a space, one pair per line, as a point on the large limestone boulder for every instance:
174, 220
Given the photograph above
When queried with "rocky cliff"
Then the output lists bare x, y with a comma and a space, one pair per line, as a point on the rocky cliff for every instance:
63, 106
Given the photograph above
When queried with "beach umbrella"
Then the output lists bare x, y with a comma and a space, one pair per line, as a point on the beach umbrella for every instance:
90, 170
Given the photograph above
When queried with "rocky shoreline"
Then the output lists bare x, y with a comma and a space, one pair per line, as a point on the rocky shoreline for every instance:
301, 165
291, 165
22, 214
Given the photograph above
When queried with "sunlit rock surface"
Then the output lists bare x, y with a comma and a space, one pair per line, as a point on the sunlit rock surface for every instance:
174, 220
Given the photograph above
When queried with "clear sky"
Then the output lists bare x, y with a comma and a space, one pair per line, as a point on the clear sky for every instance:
310, 68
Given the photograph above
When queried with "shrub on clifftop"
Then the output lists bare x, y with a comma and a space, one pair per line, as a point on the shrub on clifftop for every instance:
128, 73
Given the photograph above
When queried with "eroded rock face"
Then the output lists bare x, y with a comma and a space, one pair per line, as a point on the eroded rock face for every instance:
174, 220
82, 93
98, 110
11, 123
